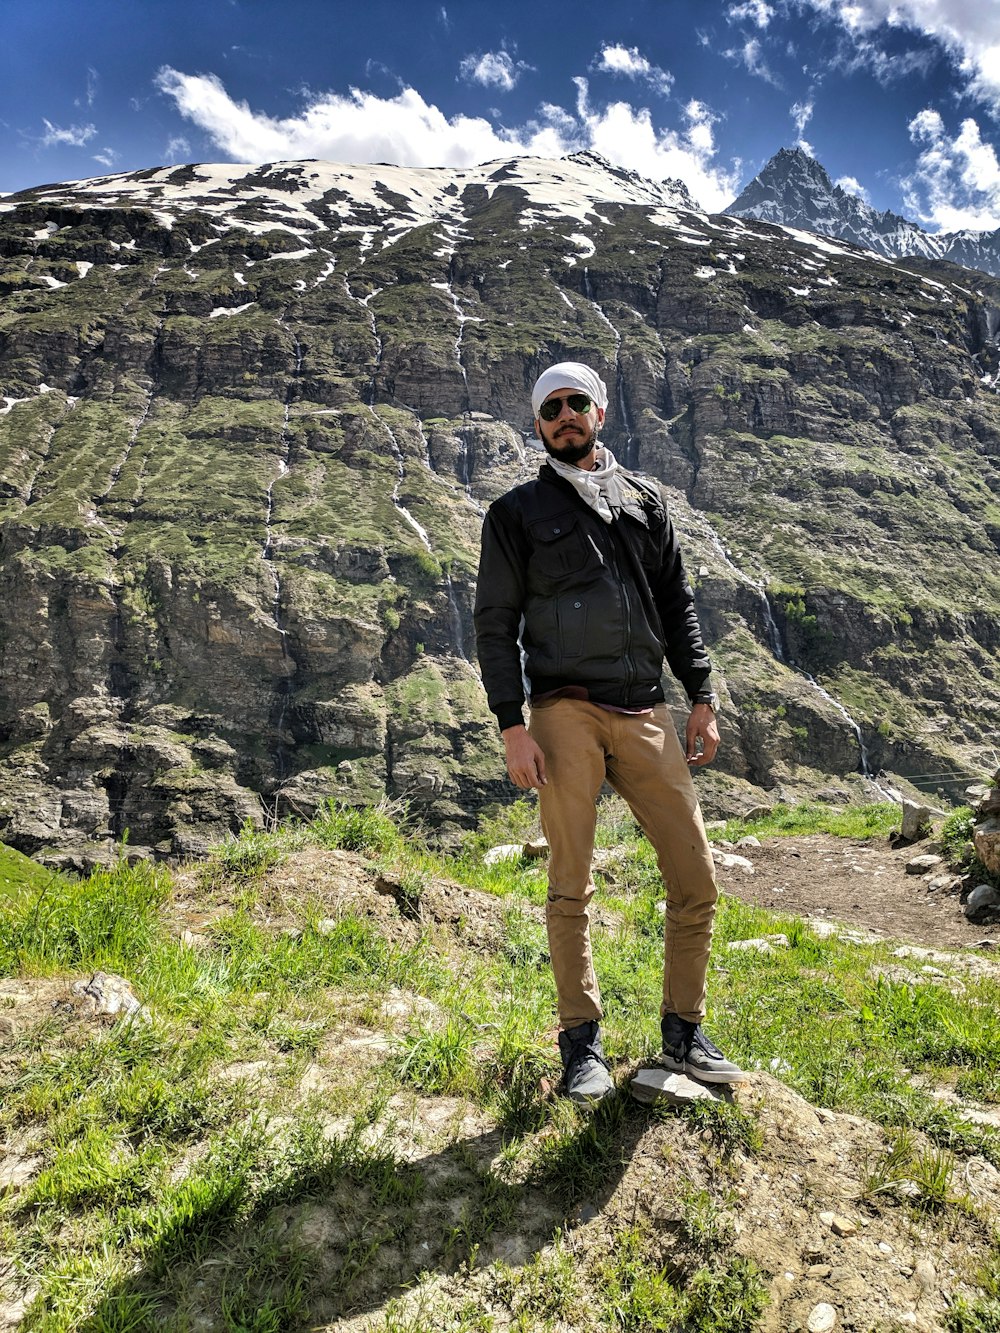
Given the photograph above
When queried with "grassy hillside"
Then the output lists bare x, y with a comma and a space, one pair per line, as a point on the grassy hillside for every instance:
335, 1108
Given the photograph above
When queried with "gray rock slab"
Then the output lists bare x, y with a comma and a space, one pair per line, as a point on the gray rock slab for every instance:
921, 864
662, 1085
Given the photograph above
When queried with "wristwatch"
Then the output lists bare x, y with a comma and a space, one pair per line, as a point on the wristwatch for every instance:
707, 697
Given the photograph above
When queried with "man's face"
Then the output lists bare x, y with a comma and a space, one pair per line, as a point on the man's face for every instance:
572, 436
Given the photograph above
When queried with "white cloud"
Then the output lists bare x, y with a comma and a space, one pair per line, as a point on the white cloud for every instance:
851, 186
969, 30
177, 148
494, 69
75, 136
619, 59
92, 79
753, 11
956, 182
801, 113
360, 127
107, 157
752, 57
626, 136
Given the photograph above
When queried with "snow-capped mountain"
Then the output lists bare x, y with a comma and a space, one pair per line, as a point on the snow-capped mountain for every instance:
794, 190
308, 196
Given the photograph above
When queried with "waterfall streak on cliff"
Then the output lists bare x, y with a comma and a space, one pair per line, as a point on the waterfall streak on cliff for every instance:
454, 613
777, 648
457, 634
29, 494
628, 451
397, 454
463, 319
770, 624
116, 471
365, 301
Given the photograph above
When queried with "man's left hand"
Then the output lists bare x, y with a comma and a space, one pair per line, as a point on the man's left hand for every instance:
702, 735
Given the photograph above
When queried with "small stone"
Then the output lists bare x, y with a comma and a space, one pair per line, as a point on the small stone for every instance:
765, 944
729, 861
110, 995
508, 852
843, 1226
925, 1274
326, 925
824, 1114
919, 865
819, 1270
885, 1247
942, 883
536, 847
748, 841
822, 1319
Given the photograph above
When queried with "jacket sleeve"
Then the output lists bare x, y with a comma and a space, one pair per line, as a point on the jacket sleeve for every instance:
500, 593
686, 653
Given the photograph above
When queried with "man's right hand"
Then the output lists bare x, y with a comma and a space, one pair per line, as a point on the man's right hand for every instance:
525, 760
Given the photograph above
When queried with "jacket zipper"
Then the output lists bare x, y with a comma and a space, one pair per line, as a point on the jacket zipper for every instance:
614, 562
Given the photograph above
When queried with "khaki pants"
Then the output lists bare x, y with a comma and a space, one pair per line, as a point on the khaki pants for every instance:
642, 759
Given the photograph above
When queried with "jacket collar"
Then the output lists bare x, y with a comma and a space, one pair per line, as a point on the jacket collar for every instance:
631, 496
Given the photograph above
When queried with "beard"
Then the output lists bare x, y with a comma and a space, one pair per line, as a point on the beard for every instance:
570, 451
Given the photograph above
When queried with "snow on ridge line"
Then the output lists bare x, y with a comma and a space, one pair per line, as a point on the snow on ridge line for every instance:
568, 186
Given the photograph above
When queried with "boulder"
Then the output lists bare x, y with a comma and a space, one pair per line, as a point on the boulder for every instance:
917, 819
983, 901
986, 838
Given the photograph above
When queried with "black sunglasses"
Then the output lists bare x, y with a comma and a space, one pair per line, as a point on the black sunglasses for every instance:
578, 402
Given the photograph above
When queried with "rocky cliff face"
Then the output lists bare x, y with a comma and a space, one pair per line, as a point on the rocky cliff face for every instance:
794, 190
250, 418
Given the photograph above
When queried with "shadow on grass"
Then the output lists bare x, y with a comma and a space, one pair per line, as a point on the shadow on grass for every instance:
349, 1226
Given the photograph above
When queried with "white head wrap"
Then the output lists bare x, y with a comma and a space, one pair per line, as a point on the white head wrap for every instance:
569, 375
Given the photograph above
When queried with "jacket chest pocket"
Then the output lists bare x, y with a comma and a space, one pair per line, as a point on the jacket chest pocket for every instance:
560, 549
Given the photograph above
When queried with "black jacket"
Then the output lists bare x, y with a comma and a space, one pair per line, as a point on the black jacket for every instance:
602, 603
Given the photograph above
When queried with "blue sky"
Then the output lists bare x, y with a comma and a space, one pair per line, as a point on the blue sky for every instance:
899, 99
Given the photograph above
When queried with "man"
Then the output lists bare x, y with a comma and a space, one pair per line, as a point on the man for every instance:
582, 592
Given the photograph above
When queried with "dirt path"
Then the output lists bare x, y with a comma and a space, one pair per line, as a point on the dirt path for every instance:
859, 883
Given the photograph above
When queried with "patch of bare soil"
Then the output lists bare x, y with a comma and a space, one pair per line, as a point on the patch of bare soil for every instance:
798, 1207
333, 883
862, 884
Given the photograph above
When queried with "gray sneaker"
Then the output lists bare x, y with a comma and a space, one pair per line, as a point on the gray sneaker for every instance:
687, 1050
585, 1070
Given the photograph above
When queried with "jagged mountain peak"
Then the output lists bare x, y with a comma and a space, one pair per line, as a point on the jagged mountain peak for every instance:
795, 190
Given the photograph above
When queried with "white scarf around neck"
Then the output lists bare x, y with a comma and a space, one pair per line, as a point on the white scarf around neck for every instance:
599, 488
